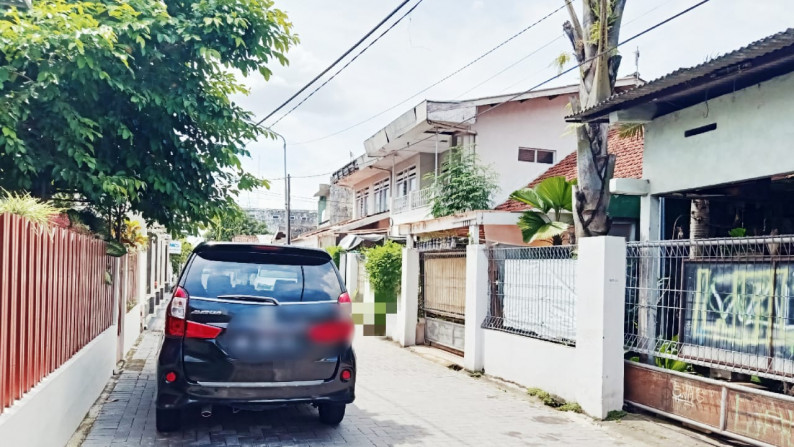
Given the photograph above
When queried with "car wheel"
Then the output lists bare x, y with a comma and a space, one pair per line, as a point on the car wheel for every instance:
332, 414
167, 420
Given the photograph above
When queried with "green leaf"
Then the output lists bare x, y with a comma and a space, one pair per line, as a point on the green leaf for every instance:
531, 198
537, 226
557, 192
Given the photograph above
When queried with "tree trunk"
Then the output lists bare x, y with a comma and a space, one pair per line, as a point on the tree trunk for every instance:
698, 224
598, 67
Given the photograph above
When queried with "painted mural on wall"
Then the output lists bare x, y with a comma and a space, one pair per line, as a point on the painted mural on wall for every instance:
741, 307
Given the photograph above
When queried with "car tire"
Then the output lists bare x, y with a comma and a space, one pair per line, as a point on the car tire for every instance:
332, 414
167, 420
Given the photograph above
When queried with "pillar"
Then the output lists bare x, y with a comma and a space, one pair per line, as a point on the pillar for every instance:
408, 304
476, 305
600, 302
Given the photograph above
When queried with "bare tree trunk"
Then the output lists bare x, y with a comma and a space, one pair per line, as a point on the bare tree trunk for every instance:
699, 217
594, 42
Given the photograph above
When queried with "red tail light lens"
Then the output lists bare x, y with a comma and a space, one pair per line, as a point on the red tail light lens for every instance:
345, 375
198, 330
177, 326
344, 298
170, 377
332, 332
175, 313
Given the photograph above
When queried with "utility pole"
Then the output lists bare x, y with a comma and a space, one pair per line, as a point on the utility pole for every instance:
286, 205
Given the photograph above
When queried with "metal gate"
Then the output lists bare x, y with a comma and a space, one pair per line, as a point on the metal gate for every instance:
443, 297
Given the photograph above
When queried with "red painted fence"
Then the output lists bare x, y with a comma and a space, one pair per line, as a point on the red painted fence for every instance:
53, 300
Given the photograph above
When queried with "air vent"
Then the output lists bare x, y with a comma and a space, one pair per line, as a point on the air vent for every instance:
700, 130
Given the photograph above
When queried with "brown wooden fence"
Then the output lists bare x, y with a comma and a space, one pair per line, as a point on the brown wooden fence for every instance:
54, 300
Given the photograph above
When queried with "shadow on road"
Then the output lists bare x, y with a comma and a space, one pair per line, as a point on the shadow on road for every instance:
289, 425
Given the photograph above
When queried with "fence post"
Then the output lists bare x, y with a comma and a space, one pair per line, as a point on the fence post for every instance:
476, 306
408, 304
600, 302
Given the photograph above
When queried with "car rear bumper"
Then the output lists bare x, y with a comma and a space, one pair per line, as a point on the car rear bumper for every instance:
182, 393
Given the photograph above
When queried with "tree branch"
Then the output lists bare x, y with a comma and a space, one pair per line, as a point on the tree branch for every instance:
614, 28
573, 29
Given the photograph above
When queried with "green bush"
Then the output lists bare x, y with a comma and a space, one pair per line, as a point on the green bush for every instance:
384, 267
336, 253
24, 205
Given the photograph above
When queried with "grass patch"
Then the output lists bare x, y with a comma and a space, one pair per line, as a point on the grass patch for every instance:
553, 401
475, 374
27, 206
615, 415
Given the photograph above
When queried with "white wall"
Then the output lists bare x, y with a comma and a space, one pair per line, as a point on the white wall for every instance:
532, 363
537, 123
753, 139
48, 415
132, 327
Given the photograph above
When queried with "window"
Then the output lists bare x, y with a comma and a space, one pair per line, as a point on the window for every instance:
381, 191
406, 181
362, 199
291, 217
536, 155
276, 216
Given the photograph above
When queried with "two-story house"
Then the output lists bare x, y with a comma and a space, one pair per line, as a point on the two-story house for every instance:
517, 136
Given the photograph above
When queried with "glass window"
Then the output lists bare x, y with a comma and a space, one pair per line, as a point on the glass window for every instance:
362, 202
381, 191
536, 155
285, 278
544, 156
406, 181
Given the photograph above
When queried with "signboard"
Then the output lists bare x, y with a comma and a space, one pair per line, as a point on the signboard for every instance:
174, 247
740, 313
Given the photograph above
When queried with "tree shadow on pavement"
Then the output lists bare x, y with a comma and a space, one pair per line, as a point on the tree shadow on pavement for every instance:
289, 426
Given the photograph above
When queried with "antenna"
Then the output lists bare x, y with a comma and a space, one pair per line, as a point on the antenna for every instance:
637, 64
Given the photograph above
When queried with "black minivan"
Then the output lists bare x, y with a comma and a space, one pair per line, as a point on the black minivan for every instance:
256, 326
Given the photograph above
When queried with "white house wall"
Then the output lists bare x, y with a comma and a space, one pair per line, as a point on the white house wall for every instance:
753, 139
537, 123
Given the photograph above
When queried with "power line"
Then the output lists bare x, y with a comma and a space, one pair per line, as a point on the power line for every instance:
469, 64
635, 36
333, 64
344, 66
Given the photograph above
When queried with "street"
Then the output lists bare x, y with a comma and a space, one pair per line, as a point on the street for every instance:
402, 399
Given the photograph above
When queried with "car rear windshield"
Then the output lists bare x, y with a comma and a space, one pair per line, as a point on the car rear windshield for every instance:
286, 278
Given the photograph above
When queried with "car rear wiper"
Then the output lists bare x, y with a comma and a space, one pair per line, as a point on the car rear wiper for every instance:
256, 298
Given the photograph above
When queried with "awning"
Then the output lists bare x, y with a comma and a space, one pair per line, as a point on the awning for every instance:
352, 241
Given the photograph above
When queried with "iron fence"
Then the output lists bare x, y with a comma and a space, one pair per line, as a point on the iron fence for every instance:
451, 243
532, 292
54, 300
726, 304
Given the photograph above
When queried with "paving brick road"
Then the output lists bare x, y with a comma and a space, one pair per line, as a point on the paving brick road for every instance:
402, 399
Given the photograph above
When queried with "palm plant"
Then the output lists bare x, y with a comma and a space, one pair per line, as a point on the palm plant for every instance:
554, 194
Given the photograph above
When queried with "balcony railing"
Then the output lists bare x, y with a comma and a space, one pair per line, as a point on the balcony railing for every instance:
413, 200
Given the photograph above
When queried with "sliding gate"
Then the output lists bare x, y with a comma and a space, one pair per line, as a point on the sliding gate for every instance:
442, 300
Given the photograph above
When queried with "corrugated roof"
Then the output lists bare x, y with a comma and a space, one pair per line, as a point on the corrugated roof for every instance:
628, 164
757, 61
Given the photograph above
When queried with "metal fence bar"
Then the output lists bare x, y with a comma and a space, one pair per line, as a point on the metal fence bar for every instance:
532, 292
53, 301
726, 304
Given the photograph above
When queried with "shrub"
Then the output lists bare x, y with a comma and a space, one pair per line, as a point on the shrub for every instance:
31, 208
336, 254
384, 267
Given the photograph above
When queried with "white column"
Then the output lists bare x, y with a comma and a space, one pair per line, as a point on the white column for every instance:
650, 216
600, 295
476, 306
408, 304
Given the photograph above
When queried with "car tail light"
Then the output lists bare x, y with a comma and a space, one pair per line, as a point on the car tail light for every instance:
332, 332
170, 377
177, 326
175, 313
346, 375
344, 298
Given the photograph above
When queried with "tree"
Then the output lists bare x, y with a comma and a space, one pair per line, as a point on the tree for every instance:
463, 185
594, 42
553, 194
234, 222
125, 105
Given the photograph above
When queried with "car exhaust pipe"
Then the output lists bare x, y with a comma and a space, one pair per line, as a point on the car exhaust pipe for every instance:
206, 411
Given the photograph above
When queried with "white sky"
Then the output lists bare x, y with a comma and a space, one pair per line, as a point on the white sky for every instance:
439, 37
